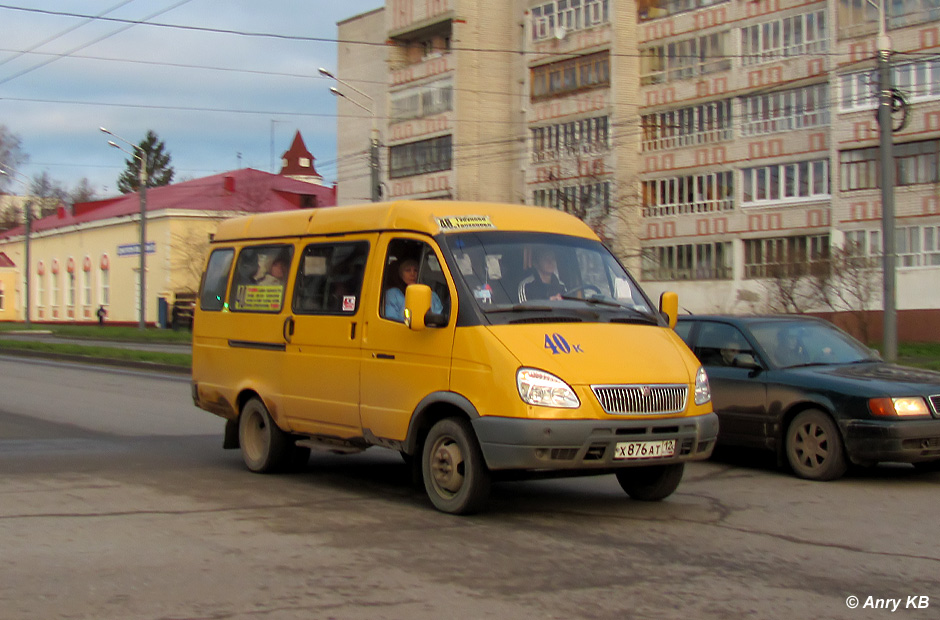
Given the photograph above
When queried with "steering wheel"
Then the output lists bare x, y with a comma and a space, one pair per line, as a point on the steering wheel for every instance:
585, 289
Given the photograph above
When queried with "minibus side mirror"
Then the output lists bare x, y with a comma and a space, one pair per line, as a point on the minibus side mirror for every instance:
669, 308
417, 304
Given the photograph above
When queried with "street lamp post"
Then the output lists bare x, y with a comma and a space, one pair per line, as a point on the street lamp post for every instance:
374, 141
26, 226
144, 160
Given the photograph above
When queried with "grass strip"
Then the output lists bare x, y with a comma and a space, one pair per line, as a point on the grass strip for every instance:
180, 360
94, 332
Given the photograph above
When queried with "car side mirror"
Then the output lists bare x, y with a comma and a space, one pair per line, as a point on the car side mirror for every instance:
669, 308
417, 305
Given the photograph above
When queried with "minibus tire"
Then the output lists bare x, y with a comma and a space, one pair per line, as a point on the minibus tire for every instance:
455, 476
265, 447
651, 483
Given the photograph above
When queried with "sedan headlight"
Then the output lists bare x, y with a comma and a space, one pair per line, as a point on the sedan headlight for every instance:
537, 387
703, 392
907, 407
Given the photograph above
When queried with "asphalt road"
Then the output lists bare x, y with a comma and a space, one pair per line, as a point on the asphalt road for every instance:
117, 501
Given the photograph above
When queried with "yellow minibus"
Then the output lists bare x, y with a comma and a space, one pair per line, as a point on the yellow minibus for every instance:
481, 341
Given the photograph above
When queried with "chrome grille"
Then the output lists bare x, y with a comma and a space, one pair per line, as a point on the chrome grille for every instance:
935, 401
641, 399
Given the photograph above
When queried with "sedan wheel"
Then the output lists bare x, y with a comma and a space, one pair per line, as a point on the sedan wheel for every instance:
814, 447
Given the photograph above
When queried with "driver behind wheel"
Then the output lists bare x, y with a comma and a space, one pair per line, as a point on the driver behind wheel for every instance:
543, 283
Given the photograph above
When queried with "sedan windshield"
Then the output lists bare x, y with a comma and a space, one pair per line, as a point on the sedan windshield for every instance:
537, 272
809, 343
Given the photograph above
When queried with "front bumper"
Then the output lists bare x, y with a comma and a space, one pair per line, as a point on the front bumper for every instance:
903, 441
527, 444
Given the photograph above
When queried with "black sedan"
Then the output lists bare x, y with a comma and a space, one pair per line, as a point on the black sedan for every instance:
813, 394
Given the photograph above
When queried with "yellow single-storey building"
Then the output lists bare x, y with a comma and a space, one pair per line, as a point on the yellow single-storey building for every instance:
89, 258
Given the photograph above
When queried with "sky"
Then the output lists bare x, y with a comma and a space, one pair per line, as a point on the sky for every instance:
216, 99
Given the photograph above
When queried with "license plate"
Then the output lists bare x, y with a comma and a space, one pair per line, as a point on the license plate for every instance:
631, 450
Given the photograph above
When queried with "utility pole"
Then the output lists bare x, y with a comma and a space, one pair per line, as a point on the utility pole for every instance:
885, 129
374, 162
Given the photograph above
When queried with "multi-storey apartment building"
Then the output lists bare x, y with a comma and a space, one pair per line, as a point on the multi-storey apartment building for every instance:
724, 148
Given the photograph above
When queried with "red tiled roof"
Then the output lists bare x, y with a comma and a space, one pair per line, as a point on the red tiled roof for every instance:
245, 190
293, 155
5, 261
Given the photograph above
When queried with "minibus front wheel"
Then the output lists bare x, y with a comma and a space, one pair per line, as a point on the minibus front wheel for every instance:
265, 447
651, 483
455, 476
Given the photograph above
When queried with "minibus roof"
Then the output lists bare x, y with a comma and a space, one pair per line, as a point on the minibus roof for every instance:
431, 217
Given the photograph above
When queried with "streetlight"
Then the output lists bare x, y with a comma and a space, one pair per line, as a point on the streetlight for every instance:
374, 142
27, 223
144, 159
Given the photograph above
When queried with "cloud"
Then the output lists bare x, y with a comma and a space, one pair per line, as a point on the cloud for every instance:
206, 117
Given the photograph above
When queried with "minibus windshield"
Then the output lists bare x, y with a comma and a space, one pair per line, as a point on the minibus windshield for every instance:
549, 273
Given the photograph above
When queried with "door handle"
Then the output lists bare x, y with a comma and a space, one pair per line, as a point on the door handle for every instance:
288, 328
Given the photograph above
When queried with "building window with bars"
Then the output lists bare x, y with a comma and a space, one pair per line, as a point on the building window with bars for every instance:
797, 35
783, 257
917, 81
568, 76
571, 15
699, 193
785, 110
689, 126
915, 163
583, 136
420, 157
796, 182
701, 261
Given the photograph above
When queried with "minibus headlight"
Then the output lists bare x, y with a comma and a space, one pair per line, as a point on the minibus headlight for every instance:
703, 393
537, 387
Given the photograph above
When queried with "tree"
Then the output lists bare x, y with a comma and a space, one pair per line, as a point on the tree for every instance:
10, 217
46, 194
11, 154
82, 192
159, 171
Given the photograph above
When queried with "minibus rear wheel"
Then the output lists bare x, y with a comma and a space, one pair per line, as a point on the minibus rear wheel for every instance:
455, 476
651, 483
265, 447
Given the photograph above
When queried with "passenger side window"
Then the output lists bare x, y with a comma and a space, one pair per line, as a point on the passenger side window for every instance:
261, 274
719, 344
215, 279
412, 262
330, 278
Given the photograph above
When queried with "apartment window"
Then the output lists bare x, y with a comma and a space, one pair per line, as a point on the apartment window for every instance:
918, 81
568, 14
581, 200
2, 301
857, 17
914, 163
71, 288
700, 124
782, 182
785, 110
584, 136
41, 290
571, 75
785, 256
917, 246
686, 58
700, 193
428, 102
420, 157
656, 9
796, 35
902, 13
701, 261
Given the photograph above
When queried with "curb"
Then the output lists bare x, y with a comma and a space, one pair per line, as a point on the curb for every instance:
100, 361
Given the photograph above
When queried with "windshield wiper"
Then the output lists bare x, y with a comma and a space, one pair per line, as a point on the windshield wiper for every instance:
519, 308
600, 301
